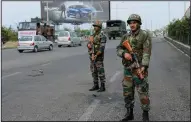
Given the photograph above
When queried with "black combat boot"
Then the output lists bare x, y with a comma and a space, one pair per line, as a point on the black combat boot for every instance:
95, 87
145, 116
129, 115
102, 88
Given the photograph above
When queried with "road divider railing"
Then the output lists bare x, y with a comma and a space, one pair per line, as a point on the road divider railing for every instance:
179, 45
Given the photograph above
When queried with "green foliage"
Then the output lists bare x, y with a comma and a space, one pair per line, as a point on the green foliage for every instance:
67, 29
85, 32
9, 34
179, 30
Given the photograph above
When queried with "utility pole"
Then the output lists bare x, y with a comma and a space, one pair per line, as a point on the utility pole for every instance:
169, 11
116, 10
47, 17
91, 18
145, 24
47, 8
151, 25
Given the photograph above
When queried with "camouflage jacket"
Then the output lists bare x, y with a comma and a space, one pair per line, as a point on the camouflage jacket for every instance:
140, 42
98, 45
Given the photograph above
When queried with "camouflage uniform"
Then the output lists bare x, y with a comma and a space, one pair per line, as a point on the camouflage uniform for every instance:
97, 66
140, 42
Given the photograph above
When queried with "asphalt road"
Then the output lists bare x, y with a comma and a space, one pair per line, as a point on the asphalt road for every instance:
61, 91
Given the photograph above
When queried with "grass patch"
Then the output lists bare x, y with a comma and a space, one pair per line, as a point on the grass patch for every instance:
10, 45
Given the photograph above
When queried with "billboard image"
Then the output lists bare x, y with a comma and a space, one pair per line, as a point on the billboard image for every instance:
75, 11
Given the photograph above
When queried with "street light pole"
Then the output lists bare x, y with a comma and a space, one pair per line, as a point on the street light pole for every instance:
169, 11
116, 11
91, 19
145, 24
47, 17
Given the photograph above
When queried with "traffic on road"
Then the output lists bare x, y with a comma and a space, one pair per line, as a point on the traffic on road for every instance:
61, 93
100, 74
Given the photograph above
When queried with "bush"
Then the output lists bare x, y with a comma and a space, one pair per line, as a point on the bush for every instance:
8, 34
180, 30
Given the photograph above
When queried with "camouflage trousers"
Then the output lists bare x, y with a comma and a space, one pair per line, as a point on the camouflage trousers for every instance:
130, 82
97, 70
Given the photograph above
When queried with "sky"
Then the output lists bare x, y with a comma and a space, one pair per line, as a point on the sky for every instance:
154, 14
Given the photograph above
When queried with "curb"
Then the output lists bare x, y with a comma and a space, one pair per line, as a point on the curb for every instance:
184, 48
5, 48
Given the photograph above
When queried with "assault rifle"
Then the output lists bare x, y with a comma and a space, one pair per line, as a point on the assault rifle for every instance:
134, 57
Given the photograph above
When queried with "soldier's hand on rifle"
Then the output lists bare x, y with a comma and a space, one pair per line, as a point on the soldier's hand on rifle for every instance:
89, 46
94, 57
128, 56
142, 69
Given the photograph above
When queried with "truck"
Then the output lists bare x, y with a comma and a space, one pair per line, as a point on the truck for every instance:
115, 28
29, 28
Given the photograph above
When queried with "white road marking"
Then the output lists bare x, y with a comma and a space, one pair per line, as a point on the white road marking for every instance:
114, 77
16, 73
179, 49
89, 111
45, 64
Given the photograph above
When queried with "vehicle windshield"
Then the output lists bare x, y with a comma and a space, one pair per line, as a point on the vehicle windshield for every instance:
63, 34
73, 34
27, 26
80, 6
114, 24
26, 38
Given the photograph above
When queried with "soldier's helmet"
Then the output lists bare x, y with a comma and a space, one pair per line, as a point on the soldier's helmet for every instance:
134, 17
97, 24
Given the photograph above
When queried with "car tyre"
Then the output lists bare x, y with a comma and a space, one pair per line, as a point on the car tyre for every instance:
109, 38
80, 44
35, 49
59, 45
114, 38
20, 51
50, 47
71, 45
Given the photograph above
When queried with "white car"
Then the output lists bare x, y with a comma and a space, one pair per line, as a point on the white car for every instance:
34, 43
66, 38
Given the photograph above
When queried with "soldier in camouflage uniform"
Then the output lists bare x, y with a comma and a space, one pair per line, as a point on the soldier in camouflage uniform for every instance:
97, 49
140, 42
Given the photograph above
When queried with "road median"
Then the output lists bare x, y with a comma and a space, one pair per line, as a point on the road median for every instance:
179, 45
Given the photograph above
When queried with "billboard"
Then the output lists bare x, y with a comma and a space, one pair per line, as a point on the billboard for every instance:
75, 11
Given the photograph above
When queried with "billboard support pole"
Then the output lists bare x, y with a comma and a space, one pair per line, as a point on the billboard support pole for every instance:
47, 18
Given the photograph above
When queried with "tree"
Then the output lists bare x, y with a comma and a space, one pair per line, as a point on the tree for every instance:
67, 29
179, 29
8, 34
